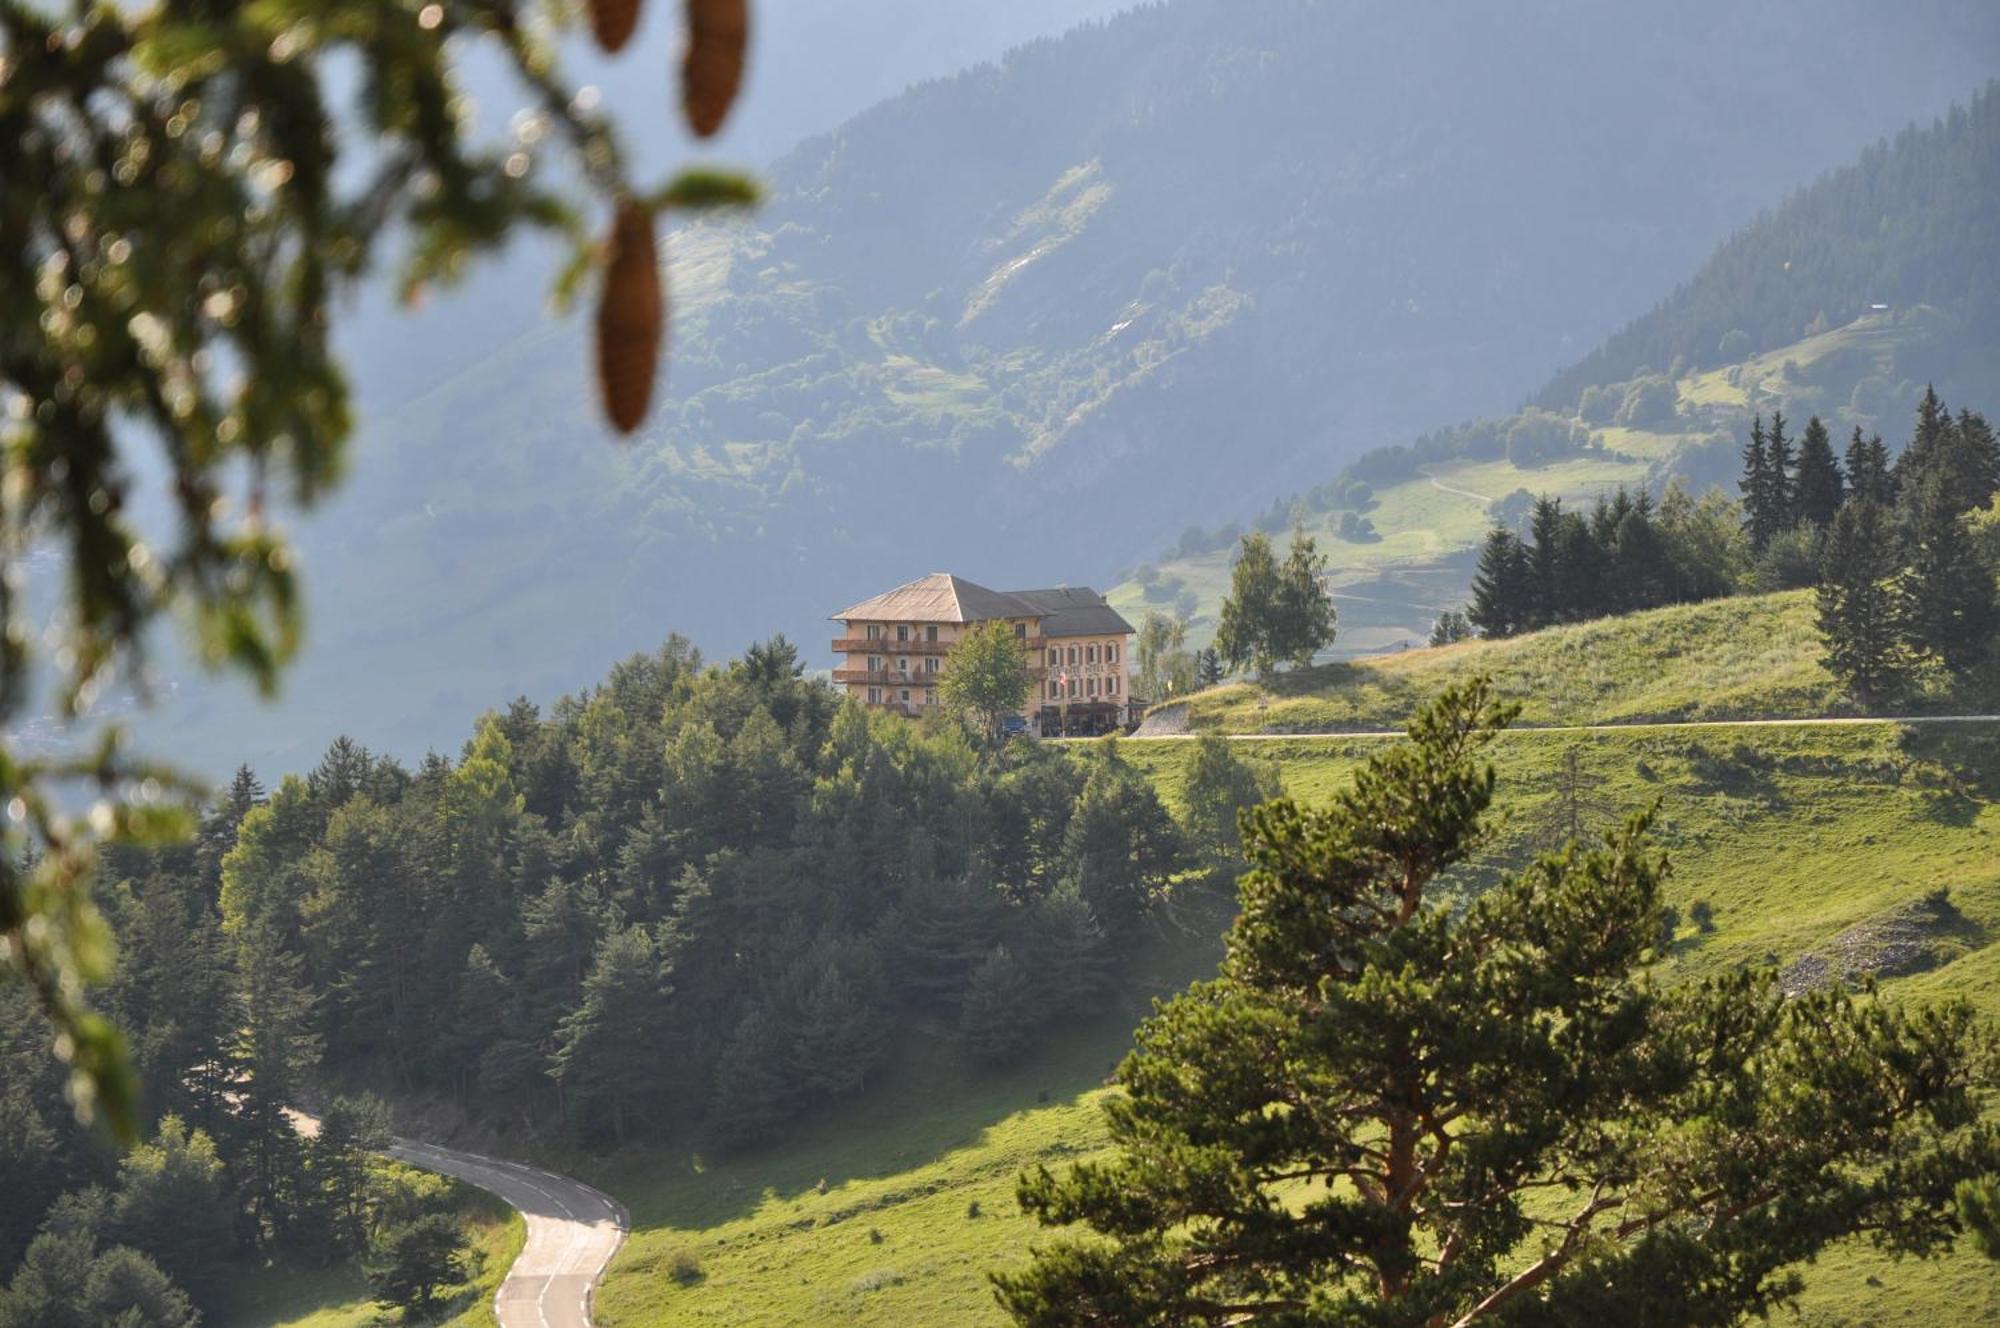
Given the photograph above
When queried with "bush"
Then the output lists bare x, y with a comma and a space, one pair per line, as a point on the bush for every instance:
684, 1266
1650, 403
1538, 436
1789, 562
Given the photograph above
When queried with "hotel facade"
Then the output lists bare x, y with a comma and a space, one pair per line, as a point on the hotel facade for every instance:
893, 647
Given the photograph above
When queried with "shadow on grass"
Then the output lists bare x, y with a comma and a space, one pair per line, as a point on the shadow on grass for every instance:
931, 1102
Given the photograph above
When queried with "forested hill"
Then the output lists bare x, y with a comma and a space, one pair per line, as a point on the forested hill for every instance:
1023, 321
1913, 223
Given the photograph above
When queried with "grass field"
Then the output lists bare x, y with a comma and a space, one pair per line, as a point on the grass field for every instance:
893, 1213
1753, 656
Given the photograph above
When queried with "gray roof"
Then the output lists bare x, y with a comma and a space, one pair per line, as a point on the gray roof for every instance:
939, 597
944, 598
1073, 611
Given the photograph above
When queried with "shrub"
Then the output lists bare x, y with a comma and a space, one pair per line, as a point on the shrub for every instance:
684, 1266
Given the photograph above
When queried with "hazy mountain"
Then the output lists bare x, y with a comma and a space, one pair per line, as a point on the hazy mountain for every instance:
1027, 321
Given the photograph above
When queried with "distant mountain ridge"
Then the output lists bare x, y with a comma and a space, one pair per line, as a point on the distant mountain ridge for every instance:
1033, 318
1912, 223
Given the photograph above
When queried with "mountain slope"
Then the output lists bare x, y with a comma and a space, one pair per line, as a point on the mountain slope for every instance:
1912, 223
1890, 286
1024, 321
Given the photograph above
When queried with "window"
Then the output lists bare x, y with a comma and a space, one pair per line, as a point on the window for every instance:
1111, 653
874, 663
906, 693
1111, 685
1072, 654
930, 696
874, 696
1093, 686
931, 664
930, 632
1021, 631
902, 631
1090, 653
1055, 689
874, 631
902, 663
1072, 686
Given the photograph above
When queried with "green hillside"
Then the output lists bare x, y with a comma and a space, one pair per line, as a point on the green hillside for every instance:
1748, 657
1823, 841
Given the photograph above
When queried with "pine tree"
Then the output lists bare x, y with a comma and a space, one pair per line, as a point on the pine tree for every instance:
1860, 608
1951, 612
1818, 489
1868, 471
609, 1054
1065, 955
277, 1056
1767, 482
1756, 487
839, 1034
1547, 576
994, 1023
1219, 786
1208, 667
1930, 441
1437, 1085
1501, 590
755, 1087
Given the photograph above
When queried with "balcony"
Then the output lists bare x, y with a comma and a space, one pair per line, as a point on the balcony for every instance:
882, 645
887, 677
914, 678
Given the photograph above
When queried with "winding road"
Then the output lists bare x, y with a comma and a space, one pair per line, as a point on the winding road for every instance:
573, 1230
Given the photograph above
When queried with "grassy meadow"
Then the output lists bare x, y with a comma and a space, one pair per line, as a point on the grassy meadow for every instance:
893, 1212
1747, 657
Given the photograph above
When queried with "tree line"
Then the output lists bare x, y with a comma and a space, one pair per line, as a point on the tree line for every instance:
1903, 588
1627, 553
1893, 543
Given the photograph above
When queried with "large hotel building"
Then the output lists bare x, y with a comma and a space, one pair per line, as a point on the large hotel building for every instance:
894, 646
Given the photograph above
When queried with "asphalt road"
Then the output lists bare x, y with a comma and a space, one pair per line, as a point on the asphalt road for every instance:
1634, 726
573, 1230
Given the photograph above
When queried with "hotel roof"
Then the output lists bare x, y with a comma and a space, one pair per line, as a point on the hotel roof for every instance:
944, 598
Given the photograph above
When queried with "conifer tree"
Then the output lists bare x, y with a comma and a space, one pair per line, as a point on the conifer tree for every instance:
608, 1058
755, 1089
1548, 578
1501, 589
1817, 490
1951, 612
1930, 440
1868, 472
1208, 667
995, 1021
277, 1057
1768, 506
1861, 609
1064, 954
1390, 1111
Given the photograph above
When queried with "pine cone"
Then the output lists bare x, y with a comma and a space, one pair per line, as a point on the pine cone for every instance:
712, 66
631, 318
613, 21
